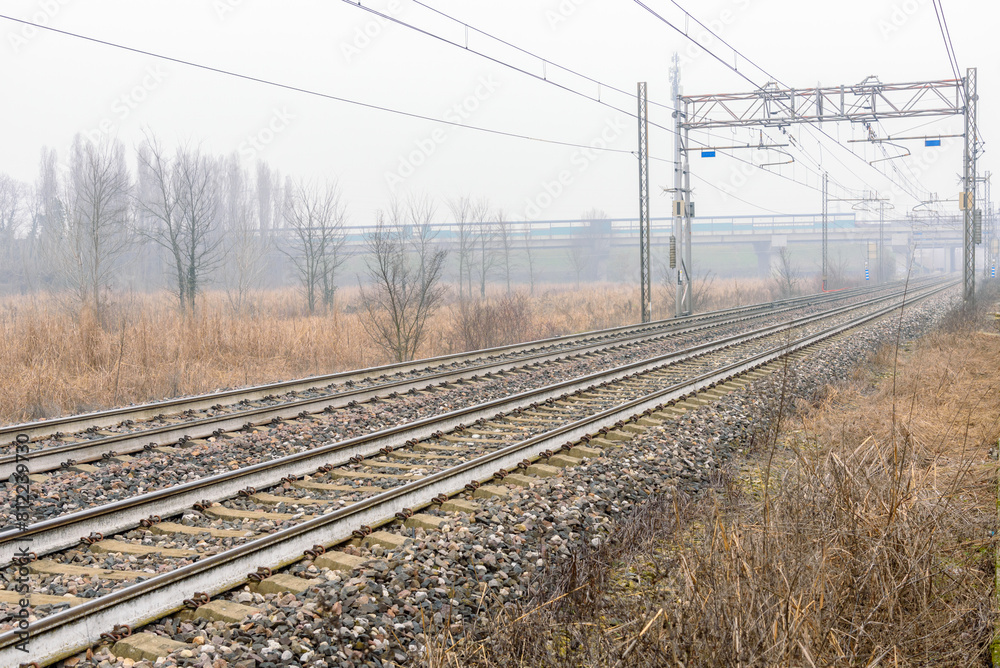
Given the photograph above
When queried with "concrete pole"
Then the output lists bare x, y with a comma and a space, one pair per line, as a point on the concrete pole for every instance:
969, 183
688, 205
826, 225
678, 195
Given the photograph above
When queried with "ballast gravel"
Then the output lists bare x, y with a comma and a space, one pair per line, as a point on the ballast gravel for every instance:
384, 613
67, 491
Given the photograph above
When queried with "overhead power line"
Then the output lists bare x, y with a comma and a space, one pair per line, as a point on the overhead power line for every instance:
307, 91
946, 36
499, 61
377, 107
544, 61
949, 48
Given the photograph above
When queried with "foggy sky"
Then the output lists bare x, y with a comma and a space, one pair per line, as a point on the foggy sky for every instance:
55, 86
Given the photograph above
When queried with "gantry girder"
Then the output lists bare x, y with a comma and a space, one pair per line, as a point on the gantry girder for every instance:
869, 101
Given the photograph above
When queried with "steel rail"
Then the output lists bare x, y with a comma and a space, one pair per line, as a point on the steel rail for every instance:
64, 633
93, 450
51, 458
78, 423
65, 530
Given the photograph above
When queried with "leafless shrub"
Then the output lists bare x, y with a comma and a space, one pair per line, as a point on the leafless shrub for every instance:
404, 289
479, 324
785, 275
849, 562
178, 199
868, 539
316, 216
570, 620
701, 291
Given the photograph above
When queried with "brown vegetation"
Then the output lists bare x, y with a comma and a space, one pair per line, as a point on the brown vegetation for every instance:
143, 349
872, 542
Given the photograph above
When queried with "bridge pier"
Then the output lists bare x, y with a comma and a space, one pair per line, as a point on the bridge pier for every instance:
600, 248
899, 248
763, 251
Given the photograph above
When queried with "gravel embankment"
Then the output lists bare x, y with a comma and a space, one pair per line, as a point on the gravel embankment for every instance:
383, 614
67, 491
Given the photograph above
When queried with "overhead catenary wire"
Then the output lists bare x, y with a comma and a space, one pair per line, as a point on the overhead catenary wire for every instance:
915, 182
737, 197
386, 109
503, 63
545, 61
946, 36
377, 107
465, 47
308, 91
949, 48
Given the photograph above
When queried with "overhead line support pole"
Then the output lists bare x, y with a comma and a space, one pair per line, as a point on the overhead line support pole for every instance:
826, 226
676, 250
688, 293
645, 289
881, 242
683, 209
989, 229
969, 183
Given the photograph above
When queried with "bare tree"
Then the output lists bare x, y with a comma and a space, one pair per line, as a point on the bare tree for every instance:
785, 275
96, 231
403, 290
11, 206
156, 204
838, 270
245, 242
461, 211
45, 224
530, 258
266, 188
420, 212
316, 217
484, 240
577, 256
181, 199
12, 209
504, 235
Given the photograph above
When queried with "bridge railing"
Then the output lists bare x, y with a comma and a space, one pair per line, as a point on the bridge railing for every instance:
552, 230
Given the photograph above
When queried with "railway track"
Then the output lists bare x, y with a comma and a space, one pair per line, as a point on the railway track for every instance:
337, 451
96, 421
331, 493
110, 434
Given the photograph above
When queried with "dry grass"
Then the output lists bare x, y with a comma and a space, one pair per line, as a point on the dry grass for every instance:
57, 361
873, 546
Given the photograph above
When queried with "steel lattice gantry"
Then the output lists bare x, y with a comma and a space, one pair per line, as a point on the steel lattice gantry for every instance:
868, 101
969, 178
645, 267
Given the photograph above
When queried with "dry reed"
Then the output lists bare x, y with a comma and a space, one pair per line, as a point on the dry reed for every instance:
58, 361
874, 544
